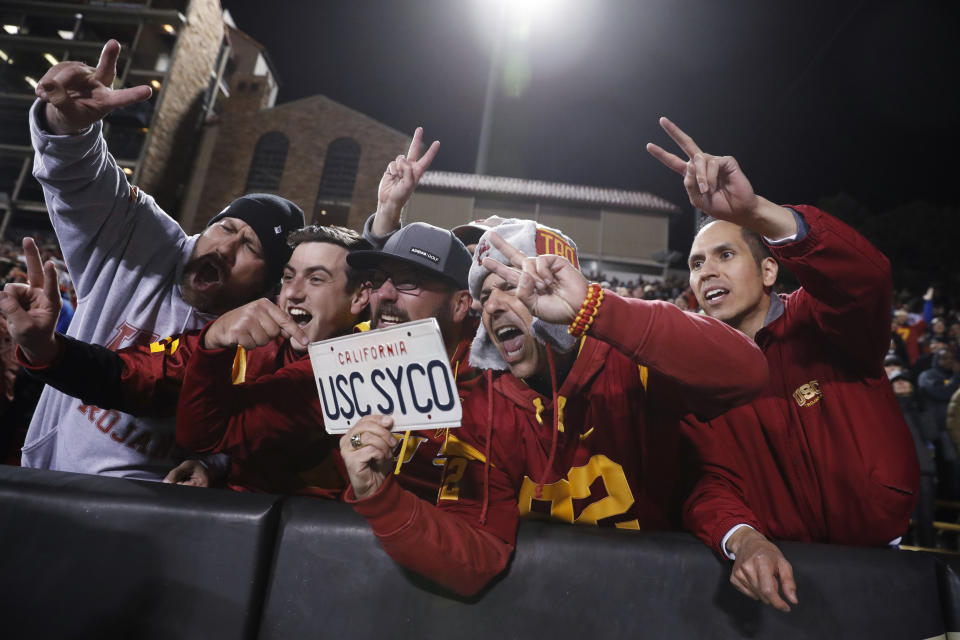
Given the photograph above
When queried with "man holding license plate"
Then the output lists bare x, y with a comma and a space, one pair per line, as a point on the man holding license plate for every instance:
420, 273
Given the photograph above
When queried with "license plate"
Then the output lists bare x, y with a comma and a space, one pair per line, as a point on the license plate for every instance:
402, 371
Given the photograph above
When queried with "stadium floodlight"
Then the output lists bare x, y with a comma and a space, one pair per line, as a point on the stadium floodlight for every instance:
510, 22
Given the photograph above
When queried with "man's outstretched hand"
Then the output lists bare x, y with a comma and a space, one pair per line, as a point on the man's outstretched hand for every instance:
77, 95
761, 571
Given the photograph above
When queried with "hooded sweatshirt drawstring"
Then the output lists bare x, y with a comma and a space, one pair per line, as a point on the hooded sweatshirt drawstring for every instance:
556, 420
486, 463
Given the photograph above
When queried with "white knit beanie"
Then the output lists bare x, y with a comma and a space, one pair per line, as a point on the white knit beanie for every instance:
533, 240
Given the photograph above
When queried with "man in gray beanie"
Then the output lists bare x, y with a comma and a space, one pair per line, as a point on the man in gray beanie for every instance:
138, 276
523, 357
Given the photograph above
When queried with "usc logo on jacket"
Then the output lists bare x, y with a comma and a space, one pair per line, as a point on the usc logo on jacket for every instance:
808, 394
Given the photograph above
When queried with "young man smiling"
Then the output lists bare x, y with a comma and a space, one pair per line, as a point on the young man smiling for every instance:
560, 415
248, 389
823, 454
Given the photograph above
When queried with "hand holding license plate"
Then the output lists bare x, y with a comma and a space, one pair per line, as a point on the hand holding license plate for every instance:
402, 371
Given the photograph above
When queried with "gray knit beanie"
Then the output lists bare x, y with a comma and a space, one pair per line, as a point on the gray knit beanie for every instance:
533, 240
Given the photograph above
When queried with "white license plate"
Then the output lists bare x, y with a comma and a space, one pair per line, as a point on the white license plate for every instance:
402, 371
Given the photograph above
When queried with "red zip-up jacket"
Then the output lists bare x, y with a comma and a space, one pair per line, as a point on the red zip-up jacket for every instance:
618, 445
271, 424
823, 454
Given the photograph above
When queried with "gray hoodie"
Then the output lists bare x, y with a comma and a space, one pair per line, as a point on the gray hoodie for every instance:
125, 256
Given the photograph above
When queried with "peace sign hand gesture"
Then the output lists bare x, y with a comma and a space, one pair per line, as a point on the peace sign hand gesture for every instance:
551, 288
715, 184
78, 95
399, 181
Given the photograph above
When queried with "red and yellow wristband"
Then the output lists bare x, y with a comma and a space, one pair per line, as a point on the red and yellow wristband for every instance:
588, 311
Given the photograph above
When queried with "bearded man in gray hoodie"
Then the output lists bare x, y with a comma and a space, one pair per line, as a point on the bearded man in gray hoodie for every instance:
138, 276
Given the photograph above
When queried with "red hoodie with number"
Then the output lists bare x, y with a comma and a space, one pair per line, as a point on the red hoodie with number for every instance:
608, 451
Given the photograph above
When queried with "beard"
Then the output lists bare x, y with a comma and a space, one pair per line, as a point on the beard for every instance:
388, 309
443, 314
202, 283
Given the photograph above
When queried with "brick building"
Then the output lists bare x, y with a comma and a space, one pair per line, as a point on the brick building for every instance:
324, 156
212, 132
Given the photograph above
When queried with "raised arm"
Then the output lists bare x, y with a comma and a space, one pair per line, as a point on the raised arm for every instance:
396, 186
104, 225
717, 186
695, 352
846, 279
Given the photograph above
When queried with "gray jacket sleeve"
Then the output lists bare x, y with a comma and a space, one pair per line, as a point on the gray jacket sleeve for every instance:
375, 240
98, 217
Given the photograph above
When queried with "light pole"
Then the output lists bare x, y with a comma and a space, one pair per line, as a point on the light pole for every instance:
493, 77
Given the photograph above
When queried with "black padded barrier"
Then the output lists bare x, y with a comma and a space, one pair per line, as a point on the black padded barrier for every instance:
92, 557
332, 580
948, 574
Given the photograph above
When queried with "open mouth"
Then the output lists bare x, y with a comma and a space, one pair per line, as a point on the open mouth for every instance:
511, 339
715, 296
208, 273
300, 316
389, 317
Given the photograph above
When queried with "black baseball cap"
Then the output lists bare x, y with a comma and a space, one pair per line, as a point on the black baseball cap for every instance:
421, 245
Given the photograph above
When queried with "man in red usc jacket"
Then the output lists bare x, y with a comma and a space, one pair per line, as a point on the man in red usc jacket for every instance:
823, 454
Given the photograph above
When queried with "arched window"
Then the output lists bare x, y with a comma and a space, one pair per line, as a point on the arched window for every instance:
266, 168
336, 182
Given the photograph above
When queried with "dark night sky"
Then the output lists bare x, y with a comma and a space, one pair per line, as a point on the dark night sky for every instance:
813, 98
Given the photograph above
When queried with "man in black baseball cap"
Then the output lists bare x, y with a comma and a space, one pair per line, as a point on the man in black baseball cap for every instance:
421, 272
